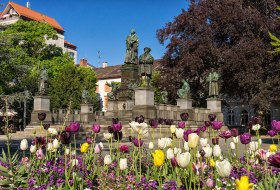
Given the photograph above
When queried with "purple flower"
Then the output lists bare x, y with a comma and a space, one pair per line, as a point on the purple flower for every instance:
181, 124
96, 128
245, 138
212, 117
153, 123
184, 116
203, 128
234, 132
73, 127
186, 134
197, 131
174, 162
46, 126
207, 123
225, 134
249, 125
89, 140
256, 120
140, 119
110, 129
210, 183
217, 125
115, 120
117, 127
274, 160
215, 141
118, 135
168, 121
124, 148
42, 116
136, 142
271, 133
275, 125
65, 137
31, 182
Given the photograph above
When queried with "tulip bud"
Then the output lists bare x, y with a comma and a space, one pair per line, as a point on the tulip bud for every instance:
183, 159
33, 148
23, 145
254, 146
75, 162
223, 168
55, 144
172, 129
97, 149
186, 146
193, 139
203, 142
169, 153
235, 139
67, 151
49, 147
232, 145
179, 133
151, 145
107, 160
217, 150
208, 151
123, 163
107, 136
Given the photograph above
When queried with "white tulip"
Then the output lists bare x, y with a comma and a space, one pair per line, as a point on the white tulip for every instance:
52, 131
23, 144
232, 145
208, 151
75, 162
55, 144
179, 133
49, 147
260, 141
151, 145
193, 139
235, 139
107, 159
177, 150
101, 145
172, 128
33, 148
217, 150
223, 168
67, 151
107, 136
139, 128
186, 146
169, 154
254, 145
123, 163
164, 142
203, 142
256, 127
183, 159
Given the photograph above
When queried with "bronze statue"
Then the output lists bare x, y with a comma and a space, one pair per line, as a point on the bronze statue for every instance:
112, 95
131, 56
164, 97
146, 61
184, 91
213, 79
86, 96
43, 77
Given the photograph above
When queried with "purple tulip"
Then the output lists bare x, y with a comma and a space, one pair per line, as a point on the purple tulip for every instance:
256, 120
197, 131
203, 128
110, 129
271, 133
89, 140
249, 125
274, 160
118, 135
234, 132
65, 137
181, 124
73, 127
245, 138
217, 125
184, 116
186, 134
96, 128
212, 117
161, 121
225, 134
202, 153
46, 126
174, 162
153, 123
140, 119
136, 142
215, 140
42, 116
115, 120
117, 127
40, 142
168, 121
124, 148
207, 123
275, 125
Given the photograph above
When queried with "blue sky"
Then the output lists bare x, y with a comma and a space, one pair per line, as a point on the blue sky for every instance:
103, 25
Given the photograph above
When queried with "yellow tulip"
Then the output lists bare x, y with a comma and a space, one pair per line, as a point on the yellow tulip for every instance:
272, 148
243, 183
212, 163
158, 157
84, 147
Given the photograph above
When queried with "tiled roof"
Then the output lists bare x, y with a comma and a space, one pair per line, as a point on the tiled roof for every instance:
112, 72
33, 15
69, 44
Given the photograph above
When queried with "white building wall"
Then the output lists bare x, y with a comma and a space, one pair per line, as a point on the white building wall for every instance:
71, 51
59, 42
101, 89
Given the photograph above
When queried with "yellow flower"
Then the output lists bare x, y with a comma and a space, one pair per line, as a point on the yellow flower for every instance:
158, 157
272, 148
212, 163
243, 183
84, 147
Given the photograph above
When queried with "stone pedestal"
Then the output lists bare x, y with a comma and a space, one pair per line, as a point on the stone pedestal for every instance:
41, 105
87, 113
184, 104
86, 108
129, 104
214, 104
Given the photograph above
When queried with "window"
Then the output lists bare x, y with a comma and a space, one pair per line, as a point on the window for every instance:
244, 117
71, 54
107, 88
231, 117
267, 118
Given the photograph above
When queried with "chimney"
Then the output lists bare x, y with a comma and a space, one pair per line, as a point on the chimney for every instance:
28, 4
83, 62
104, 64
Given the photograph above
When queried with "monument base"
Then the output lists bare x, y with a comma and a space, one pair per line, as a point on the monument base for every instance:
86, 108
214, 104
41, 105
184, 104
149, 112
144, 96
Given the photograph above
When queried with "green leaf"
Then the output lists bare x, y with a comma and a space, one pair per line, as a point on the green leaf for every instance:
5, 174
3, 169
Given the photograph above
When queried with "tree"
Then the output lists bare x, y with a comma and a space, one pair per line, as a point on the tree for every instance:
231, 37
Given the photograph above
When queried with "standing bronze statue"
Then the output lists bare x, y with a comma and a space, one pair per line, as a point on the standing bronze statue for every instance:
213, 79
43, 77
146, 61
131, 56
